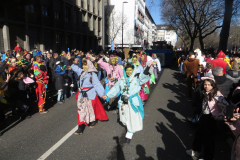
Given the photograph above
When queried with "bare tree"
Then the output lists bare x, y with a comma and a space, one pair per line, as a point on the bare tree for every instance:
175, 14
206, 15
231, 8
114, 22
234, 35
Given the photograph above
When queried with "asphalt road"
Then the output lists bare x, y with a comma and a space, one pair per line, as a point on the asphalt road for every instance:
165, 135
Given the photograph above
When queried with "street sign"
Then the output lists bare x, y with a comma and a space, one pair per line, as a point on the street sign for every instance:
112, 45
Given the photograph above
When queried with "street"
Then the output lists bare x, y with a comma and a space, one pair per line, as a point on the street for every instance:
165, 136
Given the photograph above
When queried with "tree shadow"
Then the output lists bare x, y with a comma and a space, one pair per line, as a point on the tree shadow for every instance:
142, 153
174, 148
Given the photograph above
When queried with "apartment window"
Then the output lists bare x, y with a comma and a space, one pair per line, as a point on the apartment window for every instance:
44, 11
67, 14
57, 38
75, 17
57, 15
30, 8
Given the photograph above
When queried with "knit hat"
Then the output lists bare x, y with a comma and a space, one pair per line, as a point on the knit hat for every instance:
221, 54
22, 62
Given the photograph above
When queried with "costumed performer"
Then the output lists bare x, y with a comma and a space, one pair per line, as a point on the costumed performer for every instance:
131, 109
90, 109
156, 66
114, 73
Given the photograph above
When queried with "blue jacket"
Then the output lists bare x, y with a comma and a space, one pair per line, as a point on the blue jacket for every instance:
3, 57
85, 82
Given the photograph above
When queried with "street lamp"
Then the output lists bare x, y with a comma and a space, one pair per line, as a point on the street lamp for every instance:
122, 21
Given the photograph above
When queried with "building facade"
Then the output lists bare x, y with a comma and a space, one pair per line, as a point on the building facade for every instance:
138, 24
167, 33
52, 24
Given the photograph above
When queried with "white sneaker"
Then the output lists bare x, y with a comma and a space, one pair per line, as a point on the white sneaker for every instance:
192, 153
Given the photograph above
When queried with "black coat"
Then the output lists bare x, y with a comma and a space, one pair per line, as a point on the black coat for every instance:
25, 69
59, 81
225, 86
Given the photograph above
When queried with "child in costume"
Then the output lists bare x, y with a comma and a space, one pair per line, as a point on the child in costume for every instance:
40, 77
114, 73
90, 109
131, 109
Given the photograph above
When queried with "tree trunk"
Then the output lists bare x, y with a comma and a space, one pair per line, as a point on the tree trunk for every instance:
192, 43
226, 25
201, 43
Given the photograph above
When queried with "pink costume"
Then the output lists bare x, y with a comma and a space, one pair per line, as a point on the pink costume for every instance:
115, 71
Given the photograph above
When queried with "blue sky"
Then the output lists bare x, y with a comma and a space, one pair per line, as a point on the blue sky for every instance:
154, 9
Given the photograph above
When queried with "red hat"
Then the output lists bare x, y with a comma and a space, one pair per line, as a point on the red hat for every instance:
221, 54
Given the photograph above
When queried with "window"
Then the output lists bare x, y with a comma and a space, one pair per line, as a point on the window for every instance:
67, 14
44, 11
57, 15
30, 8
75, 17
57, 38
163, 27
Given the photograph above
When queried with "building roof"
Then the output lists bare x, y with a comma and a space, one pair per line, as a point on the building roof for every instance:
165, 27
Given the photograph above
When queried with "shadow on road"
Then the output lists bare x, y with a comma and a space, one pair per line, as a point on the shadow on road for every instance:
177, 136
117, 152
12, 121
142, 153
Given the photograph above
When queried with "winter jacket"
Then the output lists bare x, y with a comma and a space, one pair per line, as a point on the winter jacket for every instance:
233, 75
225, 85
191, 66
221, 63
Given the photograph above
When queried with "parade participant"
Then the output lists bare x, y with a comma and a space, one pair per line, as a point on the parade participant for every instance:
145, 87
13, 67
114, 73
150, 60
131, 109
41, 83
90, 109
156, 66
219, 62
40, 88
138, 67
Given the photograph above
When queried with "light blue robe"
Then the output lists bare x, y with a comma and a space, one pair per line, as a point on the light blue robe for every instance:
133, 111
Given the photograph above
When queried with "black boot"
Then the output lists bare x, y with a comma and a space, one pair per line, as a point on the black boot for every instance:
127, 140
93, 124
80, 129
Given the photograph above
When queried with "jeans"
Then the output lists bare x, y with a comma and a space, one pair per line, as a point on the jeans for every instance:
60, 95
104, 74
99, 75
181, 66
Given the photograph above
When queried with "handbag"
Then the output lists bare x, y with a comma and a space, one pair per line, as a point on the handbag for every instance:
146, 90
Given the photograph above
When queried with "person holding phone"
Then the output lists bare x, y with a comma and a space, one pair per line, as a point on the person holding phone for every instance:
213, 108
114, 73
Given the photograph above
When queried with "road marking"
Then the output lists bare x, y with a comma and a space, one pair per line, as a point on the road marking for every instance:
59, 143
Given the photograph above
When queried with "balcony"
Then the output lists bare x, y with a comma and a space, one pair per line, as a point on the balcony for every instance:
141, 19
